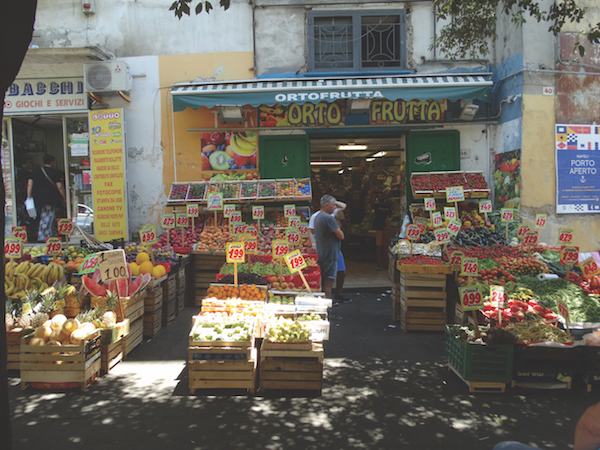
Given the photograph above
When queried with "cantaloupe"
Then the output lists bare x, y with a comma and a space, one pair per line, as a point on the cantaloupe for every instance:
69, 326
58, 321
43, 332
37, 341
78, 336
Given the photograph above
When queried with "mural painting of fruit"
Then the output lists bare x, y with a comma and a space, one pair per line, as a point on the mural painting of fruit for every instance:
229, 151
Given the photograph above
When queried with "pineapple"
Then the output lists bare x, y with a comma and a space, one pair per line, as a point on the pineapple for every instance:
25, 320
109, 318
44, 310
87, 316
71, 298
32, 297
9, 318
59, 300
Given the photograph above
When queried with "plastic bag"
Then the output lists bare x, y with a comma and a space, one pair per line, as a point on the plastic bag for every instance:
30, 206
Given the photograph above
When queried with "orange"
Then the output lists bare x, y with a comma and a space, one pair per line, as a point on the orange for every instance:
146, 267
142, 257
135, 269
156, 272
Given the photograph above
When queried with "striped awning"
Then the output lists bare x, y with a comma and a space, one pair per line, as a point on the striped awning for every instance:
286, 91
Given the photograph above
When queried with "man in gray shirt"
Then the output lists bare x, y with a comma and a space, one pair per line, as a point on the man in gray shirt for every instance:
328, 236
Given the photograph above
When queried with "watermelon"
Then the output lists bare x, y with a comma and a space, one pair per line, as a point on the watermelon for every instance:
110, 286
146, 277
93, 287
123, 287
95, 278
134, 287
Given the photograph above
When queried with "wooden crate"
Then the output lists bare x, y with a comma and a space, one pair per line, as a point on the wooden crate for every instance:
422, 302
135, 336
222, 368
111, 335
152, 324
111, 355
423, 268
153, 304
291, 369
13, 347
205, 268
44, 366
168, 311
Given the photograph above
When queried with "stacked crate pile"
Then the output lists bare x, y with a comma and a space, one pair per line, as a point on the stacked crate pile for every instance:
153, 307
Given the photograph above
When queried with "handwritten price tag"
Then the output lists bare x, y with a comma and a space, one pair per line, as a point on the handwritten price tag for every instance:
235, 217
530, 238
540, 220
21, 233
506, 215
65, 226
89, 264
441, 235
437, 219
468, 267
523, 228
589, 267
112, 265
251, 230
192, 210
148, 235
182, 220
295, 261
454, 227
430, 204
235, 252
485, 206
53, 246
227, 210
258, 212
293, 221
250, 243
167, 220
569, 255
413, 232
289, 210
449, 213
456, 258
498, 296
455, 194
470, 298
13, 247
239, 228
302, 230
563, 310
293, 236
565, 236
280, 248
214, 201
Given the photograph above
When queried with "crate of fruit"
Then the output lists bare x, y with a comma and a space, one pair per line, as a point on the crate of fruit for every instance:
478, 361
221, 334
477, 185
179, 192
420, 185
302, 188
285, 188
230, 190
267, 189
213, 187
249, 190
197, 192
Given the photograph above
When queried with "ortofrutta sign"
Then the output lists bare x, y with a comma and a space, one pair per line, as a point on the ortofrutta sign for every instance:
108, 174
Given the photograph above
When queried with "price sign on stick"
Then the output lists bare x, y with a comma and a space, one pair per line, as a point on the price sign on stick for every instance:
413, 232
148, 235
449, 213
442, 236
214, 201
21, 233
454, 227
589, 267
53, 246
569, 255
485, 206
470, 298
498, 296
563, 310
258, 212
295, 261
192, 210
530, 238
235, 217
167, 220
228, 210
239, 228
455, 194
302, 229
289, 210
456, 258
251, 230
436, 218
293, 221
235, 252
65, 226
182, 220
430, 204
468, 267
250, 243
280, 248
293, 236
565, 236
13, 248
523, 228
507, 215
89, 264
540, 221
112, 265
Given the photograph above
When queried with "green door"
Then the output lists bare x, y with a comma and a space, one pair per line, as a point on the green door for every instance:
284, 156
431, 151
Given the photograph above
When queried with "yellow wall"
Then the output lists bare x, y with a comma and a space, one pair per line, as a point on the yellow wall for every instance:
538, 175
184, 68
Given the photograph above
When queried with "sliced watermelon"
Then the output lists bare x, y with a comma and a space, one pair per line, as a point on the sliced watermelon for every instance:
110, 286
93, 287
146, 277
97, 275
134, 287
123, 287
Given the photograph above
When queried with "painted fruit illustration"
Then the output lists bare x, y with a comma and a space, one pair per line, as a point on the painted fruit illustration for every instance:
219, 160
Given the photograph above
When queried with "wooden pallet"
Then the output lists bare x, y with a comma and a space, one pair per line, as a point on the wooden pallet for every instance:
481, 386
135, 336
291, 369
222, 373
111, 355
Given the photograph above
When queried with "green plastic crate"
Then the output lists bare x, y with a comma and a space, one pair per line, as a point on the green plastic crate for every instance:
478, 362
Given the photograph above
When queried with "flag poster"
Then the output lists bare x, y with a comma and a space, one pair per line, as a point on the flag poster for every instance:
577, 165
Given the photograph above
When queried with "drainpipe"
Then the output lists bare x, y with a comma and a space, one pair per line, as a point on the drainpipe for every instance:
251, 2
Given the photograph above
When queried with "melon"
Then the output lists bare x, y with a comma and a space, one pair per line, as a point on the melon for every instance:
43, 331
78, 336
37, 341
93, 287
69, 326
56, 335
58, 321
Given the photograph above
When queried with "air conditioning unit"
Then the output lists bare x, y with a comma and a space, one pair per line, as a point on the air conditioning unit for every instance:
107, 76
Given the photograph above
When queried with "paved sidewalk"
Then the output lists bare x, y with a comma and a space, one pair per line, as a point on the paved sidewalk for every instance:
383, 389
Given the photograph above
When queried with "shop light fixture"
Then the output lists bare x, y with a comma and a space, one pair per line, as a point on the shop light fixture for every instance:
341, 171
370, 159
468, 111
352, 146
325, 163
379, 154
230, 114
358, 105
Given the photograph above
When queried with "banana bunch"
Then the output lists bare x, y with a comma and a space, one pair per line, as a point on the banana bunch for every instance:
243, 144
19, 277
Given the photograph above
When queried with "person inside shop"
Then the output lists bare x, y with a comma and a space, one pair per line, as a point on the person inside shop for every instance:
383, 210
587, 433
340, 277
328, 237
46, 186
